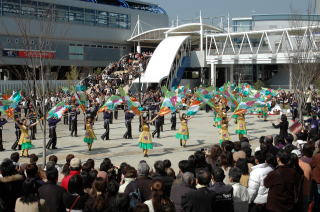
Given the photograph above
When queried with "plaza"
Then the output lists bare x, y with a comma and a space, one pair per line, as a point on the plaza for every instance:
202, 135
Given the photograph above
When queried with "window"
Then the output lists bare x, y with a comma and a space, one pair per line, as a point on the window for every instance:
11, 7
17, 41
76, 15
76, 52
61, 13
44, 10
113, 20
28, 8
90, 17
102, 18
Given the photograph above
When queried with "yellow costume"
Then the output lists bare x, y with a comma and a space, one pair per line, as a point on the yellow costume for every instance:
224, 133
183, 132
241, 125
90, 136
145, 139
24, 140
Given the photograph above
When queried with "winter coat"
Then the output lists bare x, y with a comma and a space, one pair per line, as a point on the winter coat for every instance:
240, 197
258, 193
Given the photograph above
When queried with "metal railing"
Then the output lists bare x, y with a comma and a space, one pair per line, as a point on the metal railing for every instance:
50, 85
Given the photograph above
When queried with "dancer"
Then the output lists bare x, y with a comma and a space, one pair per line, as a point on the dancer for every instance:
241, 128
145, 138
265, 111
224, 132
173, 121
74, 121
3, 121
128, 118
52, 122
183, 133
106, 124
17, 132
90, 136
32, 116
24, 140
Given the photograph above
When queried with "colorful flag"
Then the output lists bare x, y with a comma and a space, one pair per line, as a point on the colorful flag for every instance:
57, 111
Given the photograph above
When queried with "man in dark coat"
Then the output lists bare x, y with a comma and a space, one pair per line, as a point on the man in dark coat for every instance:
10, 186
3, 121
106, 124
142, 182
283, 125
224, 193
283, 185
52, 193
161, 175
179, 190
128, 118
201, 199
52, 122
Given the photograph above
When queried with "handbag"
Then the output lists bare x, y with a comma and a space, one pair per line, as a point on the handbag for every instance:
74, 203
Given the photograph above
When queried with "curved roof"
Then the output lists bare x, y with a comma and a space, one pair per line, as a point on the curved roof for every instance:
194, 27
191, 29
154, 35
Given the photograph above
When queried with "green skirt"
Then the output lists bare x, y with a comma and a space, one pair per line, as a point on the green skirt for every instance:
241, 132
26, 145
89, 140
217, 119
182, 137
145, 145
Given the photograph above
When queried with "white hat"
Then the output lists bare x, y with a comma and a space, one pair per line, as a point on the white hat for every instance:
297, 152
75, 163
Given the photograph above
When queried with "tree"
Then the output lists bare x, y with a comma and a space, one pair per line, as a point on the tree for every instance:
303, 55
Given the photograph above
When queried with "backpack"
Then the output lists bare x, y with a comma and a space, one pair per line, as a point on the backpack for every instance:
135, 196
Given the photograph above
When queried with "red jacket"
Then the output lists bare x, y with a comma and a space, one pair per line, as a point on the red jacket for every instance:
65, 180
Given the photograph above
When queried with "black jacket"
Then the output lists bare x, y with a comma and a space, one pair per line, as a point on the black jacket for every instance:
177, 192
224, 196
10, 190
201, 200
143, 184
283, 125
53, 195
167, 180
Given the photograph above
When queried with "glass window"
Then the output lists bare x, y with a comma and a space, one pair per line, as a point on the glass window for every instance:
44, 10
76, 15
61, 13
11, 7
28, 8
113, 20
102, 18
90, 17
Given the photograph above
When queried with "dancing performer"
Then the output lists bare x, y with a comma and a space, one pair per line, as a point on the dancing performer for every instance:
241, 128
218, 113
173, 120
66, 117
157, 124
265, 111
32, 116
90, 136
183, 133
3, 121
145, 139
52, 122
128, 118
224, 132
106, 124
74, 121
25, 140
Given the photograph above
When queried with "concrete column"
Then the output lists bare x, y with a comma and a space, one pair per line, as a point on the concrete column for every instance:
139, 48
213, 75
290, 76
231, 73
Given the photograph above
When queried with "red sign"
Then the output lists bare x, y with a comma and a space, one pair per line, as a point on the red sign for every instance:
36, 54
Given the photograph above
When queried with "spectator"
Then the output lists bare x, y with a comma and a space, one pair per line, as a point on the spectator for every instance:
120, 204
226, 162
258, 193
224, 193
184, 166
240, 193
75, 167
129, 176
158, 197
243, 166
66, 167
10, 185
283, 125
32, 173
30, 201
315, 177
307, 152
33, 158
97, 200
160, 174
75, 198
143, 182
201, 199
213, 156
15, 157
52, 193
54, 159
282, 185
179, 190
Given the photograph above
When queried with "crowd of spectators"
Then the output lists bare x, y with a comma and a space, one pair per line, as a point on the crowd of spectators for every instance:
227, 177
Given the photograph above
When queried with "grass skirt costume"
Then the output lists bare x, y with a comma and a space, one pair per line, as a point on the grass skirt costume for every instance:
183, 132
224, 133
25, 140
145, 138
241, 128
89, 136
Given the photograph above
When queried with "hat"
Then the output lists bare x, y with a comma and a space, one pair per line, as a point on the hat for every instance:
297, 152
75, 163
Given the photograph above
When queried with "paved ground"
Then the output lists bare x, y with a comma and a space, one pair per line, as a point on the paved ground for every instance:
202, 135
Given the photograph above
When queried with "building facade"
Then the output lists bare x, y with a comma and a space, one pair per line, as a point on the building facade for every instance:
64, 33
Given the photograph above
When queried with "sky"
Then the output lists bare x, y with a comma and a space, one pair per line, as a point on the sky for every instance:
189, 9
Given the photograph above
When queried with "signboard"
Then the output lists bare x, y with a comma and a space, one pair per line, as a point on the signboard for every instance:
28, 53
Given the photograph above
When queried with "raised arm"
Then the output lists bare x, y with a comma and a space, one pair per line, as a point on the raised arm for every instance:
154, 119
34, 124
